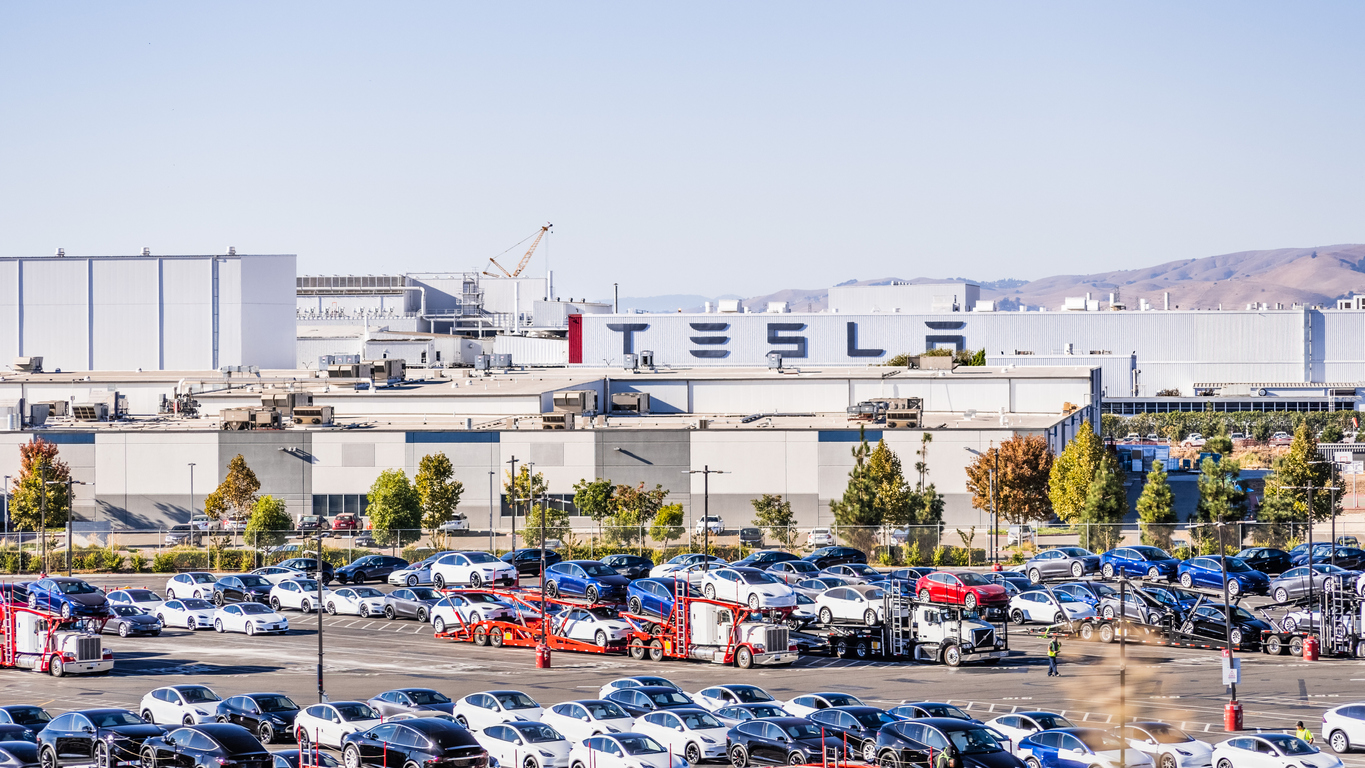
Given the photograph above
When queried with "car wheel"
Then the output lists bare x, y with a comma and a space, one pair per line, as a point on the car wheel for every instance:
793, 623
351, 756
1234, 587
475, 580
889, 760
744, 658
924, 595
1108, 570
274, 603
1225, 763
1108, 612
1153, 573
1017, 616
1186, 580
692, 754
952, 656
1236, 637
754, 602
530, 762
969, 602
218, 599
1274, 647
302, 736
1340, 744
265, 733
739, 756
437, 581
1035, 576
592, 594
462, 721
710, 591
66, 610
796, 758
600, 638
1077, 570
331, 608
1168, 761
148, 758
33, 601
357, 579
250, 629
122, 630
422, 615
826, 615
1281, 595
634, 606
1289, 624
870, 751
1107, 633
218, 625
439, 624
870, 617
841, 647
552, 589
1032, 762
390, 613
412, 580
306, 605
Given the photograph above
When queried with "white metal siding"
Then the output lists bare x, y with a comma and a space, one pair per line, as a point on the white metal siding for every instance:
529, 350
127, 314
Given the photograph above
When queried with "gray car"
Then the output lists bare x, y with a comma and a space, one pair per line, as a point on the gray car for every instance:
132, 621
417, 701
1062, 562
411, 603
1293, 583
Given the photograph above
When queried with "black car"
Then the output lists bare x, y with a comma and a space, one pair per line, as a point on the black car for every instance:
211, 745
1350, 558
18, 754
265, 714
858, 725
101, 736
1210, 621
13, 732
1266, 559
294, 758
132, 621
914, 572
411, 700
14, 594
425, 741
1019, 580
824, 557
630, 566
309, 565
25, 714
780, 741
764, 558
648, 698
527, 561
751, 537
241, 588
369, 568
911, 741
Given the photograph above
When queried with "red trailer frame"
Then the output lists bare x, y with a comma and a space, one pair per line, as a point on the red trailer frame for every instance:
9, 643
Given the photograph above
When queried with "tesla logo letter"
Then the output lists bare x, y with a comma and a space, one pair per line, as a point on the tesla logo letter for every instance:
853, 350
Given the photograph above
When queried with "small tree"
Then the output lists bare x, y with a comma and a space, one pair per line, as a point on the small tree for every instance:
1287, 487
269, 523
395, 509
856, 514
774, 514
667, 525
1331, 433
39, 462
556, 525
1156, 509
1106, 503
1024, 464
437, 490
1073, 472
235, 497
1221, 498
594, 498
634, 508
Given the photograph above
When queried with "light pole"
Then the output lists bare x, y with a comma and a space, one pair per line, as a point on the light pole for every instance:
70, 515
191, 466
1123, 668
492, 474
705, 473
512, 501
299, 453
21, 546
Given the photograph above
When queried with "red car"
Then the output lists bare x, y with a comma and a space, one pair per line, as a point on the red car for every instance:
960, 588
345, 522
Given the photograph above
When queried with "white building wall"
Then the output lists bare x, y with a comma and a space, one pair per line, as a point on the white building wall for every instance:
187, 296
911, 299
267, 314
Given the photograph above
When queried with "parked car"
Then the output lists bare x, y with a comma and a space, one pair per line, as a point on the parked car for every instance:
198, 584
1270, 750
250, 618
459, 610
329, 724
584, 718
207, 746
527, 561
309, 525
1020, 725
805, 704
1295, 582
414, 603
794, 571
860, 572
183, 533
751, 537
190, 613
416, 574
369, 568
345, 522
638, 681
1350, 558
180, 704
1006, 579
420, 741
1168, 746
355, 601
820, 537
599, 625
712, 523
1062, 562
1069, 747
1267, 560
1141, 560
640, 701
1090, 592
1040, 605
1194, 440
965, 588
309, 565
458, 523
857, 726
910, 742
683, 561
826, 556
1207, 572
781, 741
623, 750
1138, 606
589, 579
241, 588
718, 696
691, 732
128, 621
145, 599
630, 566
421, 702
36, 718
299, 595
475, 569
103, 736
913, 573
737, 713
276, 573
1281, 438
1209, 620
855, 602
922, 709
765, 558
525, 744
68, 596
815, 587
480, 710
1343, 727
750, 586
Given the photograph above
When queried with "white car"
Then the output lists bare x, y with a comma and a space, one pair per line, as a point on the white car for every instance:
718, 696
327, 724
476, 569
804, 612
578, 720
592, 625
750, 586
1194, 440
1020, 725
794, 571
417, 574
356, 601
712, 522
802, 706
1047, 607
1344, 727
819, 585
820, 537
523, 744
277, 573
251, 618
459, 610
180, 705
623, 750
145, 599
192, 584
457, 523
683, 561
1168, 746
480, 710
639, 681
299, 594
1089, 746
190, 614
855, 602
1270, 750
693, 733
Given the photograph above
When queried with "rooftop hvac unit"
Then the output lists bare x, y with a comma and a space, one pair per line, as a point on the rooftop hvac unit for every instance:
58, 409
265, 418
313, 415
388, 369
38, 413
563, 420
899, 403
630, 361
236, 419
907, 419
285, 401
646, 358
576, 401
90, 411
630, 402
502, 360
343, 371
932, 362
482, 362
865, 409
28, 364
774, 360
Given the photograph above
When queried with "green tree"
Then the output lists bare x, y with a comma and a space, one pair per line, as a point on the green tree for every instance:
235, 497
1221, 498
1219, 442
634, 508
1332, 433
856, 514
1156, 508
892, 497
667, 524
269, 523
1106, 503
556, 525
979, 358
395, 509
594, 498
774, 514
1021, 490
1286, 488
39, 462
1073, 472
437, 490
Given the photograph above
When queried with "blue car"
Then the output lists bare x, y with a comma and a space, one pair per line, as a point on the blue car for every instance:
1076, 748
1207, 572
590, 579
655, 596
1151, 562
1177, 599
1088, 592
67, 596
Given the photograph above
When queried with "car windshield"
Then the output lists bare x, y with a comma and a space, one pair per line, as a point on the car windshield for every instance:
1168, 734
944, 710
29, 715
203, 578
841, 700
254, 608
874, 719
1075, 551
767, 710
308, 585
114, 719
668, 698
1237, 566
275, 703
1152, 553
515, 700
973, 579
640, 745
480, 557
698, 719
142, 595
252, 580
1103, 589
659, 681
76, 588
424, 697
18, 733
1290, 745
195, 604
367, 592
974, 741
1047, 722
127, 610
757, 577
197, 694
539, 734
801, 730
356, 711
596, 569
803, 600
604, 613
1238, 613
605, 710
1098, 740
1064, 597
425, 593
750, 694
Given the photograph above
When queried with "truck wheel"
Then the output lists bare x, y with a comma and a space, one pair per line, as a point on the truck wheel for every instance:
860, 650
739, 756
1087, 631
1107, 633
1274, 647
637, 650
54, 667
656, 650
841, 648
495, 638
952, 656
744, 658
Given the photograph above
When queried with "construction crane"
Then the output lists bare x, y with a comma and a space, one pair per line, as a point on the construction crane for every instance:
524, 259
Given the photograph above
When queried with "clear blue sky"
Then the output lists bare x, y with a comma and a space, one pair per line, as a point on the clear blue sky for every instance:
684, 147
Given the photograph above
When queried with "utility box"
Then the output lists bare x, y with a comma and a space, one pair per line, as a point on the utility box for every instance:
58, 409
630, 402
576, 401
630, 361
502, 360
933, 362
774, 360
286, 402
32, 364
344, 370
241, 419
313, 415
561, 420
647, 358
37, 414
390, 370
90, 411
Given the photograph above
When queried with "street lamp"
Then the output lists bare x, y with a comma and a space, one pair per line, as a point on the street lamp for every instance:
70, 515
705, 473
296, 451
512, 500
492, 475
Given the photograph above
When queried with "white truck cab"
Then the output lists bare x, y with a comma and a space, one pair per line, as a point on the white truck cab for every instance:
954, 636
756, 643
41, 645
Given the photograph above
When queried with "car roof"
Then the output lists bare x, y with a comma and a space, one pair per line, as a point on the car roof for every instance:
652, 689
854, 708
100, 710
948, 723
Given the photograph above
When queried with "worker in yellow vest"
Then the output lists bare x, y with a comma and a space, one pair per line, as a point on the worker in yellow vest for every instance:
1304, 733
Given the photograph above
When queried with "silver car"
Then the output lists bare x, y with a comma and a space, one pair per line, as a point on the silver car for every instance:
417, 574
1062, 562
1293, 583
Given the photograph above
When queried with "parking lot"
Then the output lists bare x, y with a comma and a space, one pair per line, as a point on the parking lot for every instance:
366, 656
